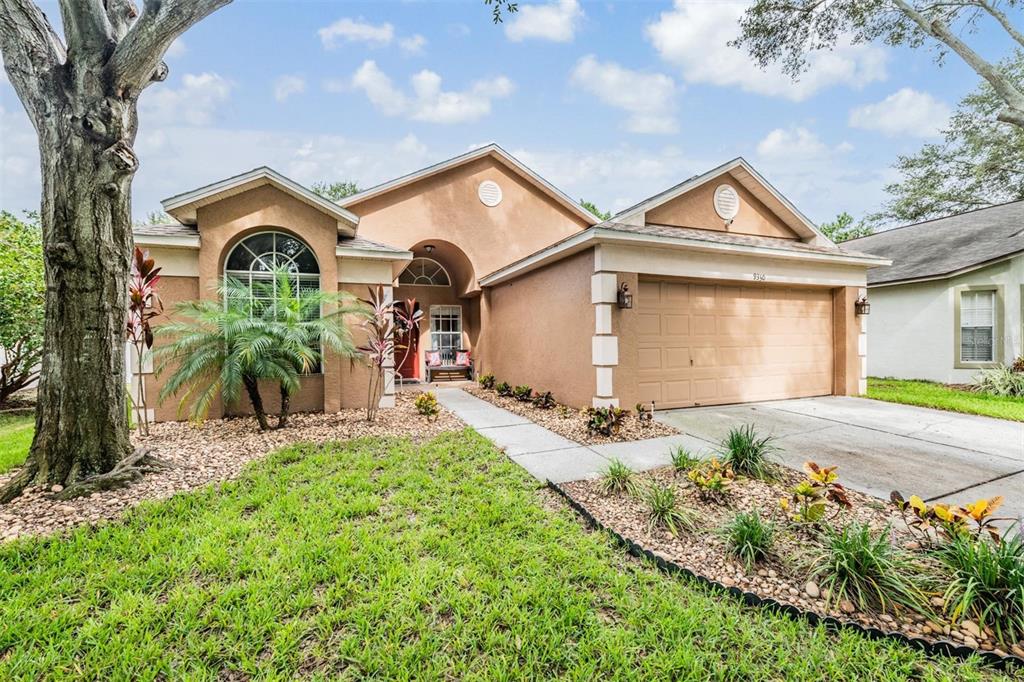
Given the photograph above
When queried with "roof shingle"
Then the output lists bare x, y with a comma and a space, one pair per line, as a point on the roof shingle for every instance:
945, 246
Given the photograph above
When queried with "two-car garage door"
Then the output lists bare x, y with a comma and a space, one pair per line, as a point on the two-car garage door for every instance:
712, 344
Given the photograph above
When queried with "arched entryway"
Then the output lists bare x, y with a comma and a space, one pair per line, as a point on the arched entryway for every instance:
440, 282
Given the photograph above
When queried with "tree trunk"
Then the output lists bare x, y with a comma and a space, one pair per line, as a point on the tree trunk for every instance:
252, 387
87, 166
286, 401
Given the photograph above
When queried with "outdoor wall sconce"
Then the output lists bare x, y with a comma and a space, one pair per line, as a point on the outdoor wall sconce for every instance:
862, 307
625, 298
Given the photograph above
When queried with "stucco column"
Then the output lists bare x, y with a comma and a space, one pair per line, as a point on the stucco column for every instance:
604, 344
850, 339
387, 398
862, 347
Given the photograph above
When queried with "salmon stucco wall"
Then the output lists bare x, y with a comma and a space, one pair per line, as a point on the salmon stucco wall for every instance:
537, 329
625, 325
696, 208
446, 206
850, 341
171, 290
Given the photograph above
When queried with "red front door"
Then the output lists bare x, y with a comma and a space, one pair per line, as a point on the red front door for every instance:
408, 358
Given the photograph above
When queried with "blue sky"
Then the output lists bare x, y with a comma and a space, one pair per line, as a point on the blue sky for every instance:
610, 101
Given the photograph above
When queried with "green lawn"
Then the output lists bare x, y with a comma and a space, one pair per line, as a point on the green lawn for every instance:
15, 439
942, 397
386, 560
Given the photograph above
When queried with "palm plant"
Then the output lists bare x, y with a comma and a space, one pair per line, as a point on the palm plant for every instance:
221, 347
301, 332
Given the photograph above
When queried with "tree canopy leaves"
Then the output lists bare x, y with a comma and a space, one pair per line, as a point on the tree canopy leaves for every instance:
979, 163
843, 228
590, 206
335, 191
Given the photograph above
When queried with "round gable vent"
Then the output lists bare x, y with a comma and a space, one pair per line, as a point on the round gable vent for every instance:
727, 202
489, 193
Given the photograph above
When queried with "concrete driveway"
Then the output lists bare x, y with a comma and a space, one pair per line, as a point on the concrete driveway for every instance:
880, 447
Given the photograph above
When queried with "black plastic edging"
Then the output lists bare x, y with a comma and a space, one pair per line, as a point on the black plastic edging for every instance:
940, 648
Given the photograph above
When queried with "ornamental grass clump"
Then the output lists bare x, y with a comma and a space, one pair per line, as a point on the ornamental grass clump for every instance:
1003, 380
986, 583
747, 453
749, 538
683, 460
664, 510
865, 569
618, 479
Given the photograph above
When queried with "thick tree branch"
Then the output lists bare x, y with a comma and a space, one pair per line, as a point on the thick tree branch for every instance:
33, 54
86, 30
1004, 87
121, 14
137, 57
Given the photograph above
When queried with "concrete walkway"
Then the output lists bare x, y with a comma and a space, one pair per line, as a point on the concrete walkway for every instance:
942, 456
549, 456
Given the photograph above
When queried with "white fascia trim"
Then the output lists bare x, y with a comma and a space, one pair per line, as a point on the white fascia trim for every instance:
372, 254
170, 241
600, 235
472, 155
347, 221
697, 181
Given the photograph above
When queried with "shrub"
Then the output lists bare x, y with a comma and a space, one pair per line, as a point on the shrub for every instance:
618, 479
426, 404
522, 393
866, 569
810, 498
747, 453
564, 411
712, 480
503, 389
643, 415
929, 523
749, 538
1000, 381
1018, 364
22, 303
486, 381
682, 460
663, 510
987, 583
544, 400
605, 420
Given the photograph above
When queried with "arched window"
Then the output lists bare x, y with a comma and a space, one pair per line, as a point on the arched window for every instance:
425, 272
255, 258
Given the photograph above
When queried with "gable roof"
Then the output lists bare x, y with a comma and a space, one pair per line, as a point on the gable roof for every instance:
494, 151
751, 180
940, 248
183, 206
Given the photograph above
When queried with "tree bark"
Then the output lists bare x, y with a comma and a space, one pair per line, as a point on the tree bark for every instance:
286, 401
252, 387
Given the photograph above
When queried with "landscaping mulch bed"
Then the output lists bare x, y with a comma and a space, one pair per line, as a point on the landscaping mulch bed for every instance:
571, 423
784, 576
215, 451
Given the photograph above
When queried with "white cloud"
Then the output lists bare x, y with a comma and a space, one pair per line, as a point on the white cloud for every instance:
411, 146
413, 44
356, 31
193, 103
428, 102
649, 98
177, 49
794, 143
694, 37
556, 21
288, 85
904, 112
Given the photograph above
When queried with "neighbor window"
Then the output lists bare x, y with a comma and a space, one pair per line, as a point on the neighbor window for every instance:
977, 326
425, 272
446, 330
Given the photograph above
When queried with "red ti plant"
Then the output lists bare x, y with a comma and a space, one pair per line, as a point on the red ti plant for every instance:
379, 349
143, 305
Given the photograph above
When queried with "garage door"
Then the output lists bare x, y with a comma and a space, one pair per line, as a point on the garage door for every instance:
712, 344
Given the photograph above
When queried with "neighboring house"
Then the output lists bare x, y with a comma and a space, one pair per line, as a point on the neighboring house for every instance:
951, 303
736, 296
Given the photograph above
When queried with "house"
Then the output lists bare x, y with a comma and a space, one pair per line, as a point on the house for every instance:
717, 290
951, 303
